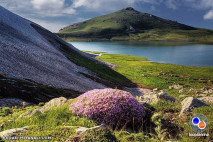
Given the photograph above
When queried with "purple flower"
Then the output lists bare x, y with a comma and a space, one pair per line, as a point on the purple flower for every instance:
109, 106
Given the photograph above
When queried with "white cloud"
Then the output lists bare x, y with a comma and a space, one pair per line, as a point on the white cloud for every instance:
171, 4
203, 5
52, 26
208, 15
103, 5
52, 7
48, 4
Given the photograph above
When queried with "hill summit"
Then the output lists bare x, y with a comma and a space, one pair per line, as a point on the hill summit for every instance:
122, 22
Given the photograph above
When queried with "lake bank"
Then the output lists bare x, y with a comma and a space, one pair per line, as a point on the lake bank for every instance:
181, 53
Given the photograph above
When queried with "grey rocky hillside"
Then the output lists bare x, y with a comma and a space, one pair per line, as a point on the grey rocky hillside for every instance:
27, 54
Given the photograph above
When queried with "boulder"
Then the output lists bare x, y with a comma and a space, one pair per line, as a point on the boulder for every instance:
13, 132
137, 91
52, 104
207, 100
166, 97
152, 97
189, 103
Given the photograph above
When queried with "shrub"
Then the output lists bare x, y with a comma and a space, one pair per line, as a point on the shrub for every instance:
116, 108
6, 110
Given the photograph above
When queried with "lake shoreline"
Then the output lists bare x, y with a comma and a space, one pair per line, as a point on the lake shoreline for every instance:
176, 53
104, 39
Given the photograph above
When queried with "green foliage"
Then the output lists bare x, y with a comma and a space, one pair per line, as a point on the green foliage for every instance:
107, 75
161, 133
139, 71
59, 133
198, 35
60, 116
41, 104
125, 136
6, 110
166, 106
100, 136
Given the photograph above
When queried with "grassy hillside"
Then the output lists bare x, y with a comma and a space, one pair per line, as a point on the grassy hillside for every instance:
129, 24
148, 74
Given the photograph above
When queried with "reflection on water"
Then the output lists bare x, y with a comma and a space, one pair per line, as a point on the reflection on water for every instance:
182, 53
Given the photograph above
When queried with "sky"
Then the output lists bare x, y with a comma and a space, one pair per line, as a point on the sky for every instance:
56, 14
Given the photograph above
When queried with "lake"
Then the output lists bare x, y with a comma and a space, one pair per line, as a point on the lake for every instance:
163, 52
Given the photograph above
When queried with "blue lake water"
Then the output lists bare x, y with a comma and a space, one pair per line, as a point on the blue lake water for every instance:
163, 52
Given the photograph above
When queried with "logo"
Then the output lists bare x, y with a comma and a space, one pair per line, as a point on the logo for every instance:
198, 123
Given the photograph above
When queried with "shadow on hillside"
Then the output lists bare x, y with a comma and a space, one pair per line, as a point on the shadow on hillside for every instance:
105, 75
33, 92
30, 91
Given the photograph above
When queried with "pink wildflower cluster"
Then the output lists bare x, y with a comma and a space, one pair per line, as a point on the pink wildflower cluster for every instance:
113, 107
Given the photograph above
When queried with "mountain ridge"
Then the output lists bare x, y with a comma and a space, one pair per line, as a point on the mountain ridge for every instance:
125, 24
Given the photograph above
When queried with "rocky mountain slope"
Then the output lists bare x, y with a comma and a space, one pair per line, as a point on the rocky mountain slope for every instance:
30, 52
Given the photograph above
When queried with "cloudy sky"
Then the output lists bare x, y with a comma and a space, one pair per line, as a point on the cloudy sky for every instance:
55, 14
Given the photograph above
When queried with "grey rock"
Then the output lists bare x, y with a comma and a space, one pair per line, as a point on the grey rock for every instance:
176, 87
182, 96
203, 95
207, 100
152, 98
13, 132
52, 104
182, 90
156, 89
189, 103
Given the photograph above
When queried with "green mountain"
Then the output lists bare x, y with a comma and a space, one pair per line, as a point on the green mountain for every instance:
129, 24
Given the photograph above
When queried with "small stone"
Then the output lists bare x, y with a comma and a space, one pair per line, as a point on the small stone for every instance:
210, 91
182, 90
207, 100
203, 95
191, 90
156, 89
206, 92
178, 86
182, 96
24, 104
198, 92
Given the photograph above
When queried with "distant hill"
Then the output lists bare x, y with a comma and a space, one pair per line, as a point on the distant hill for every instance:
129, 24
